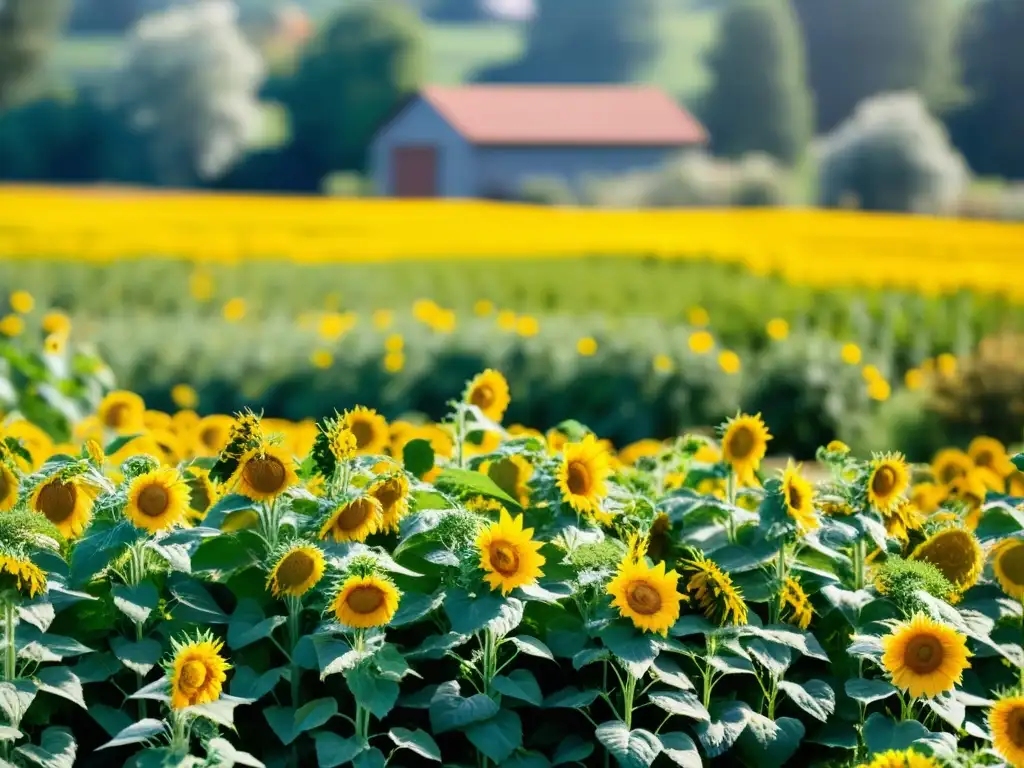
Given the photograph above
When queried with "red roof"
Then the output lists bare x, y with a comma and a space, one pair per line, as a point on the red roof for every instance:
565, 115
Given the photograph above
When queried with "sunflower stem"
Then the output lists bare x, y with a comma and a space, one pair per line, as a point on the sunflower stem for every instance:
780, 578
10, 657
628, 694
730, 492
460, 438
294, 616
858, 564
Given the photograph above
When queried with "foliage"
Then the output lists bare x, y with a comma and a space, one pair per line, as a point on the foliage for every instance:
28, 30
758, 101
891, 156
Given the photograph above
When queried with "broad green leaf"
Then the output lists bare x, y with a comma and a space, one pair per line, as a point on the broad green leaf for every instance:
589, 656
882, 734
941, 745
526, 759
57, 749
728, 664
138, 732
692, 624
227, 755
836, 734
247, 683
531, 646
177, 556
118, 443
815, 697
103, 542
680, 749
418, 741
436, 646
415, 607
668, 671
140, 656
158, 690
846, 602
631, 749
418, 457
372, 691
112, 720
519, 684
681, 703
798, 640
33, 644
332, 750
449, 710
8, 733
550, 592
314, 714
869, 691
194, 602
570, 698
39, 613
771, 747
221, 711
16, 697
218, 513
282, 722
636, 650
498, 736
62, 682
392, 664
468, 613
509, 617
573, 749
466, 481
948, 708
136, 601
728, 721
242, 633
773, 657
370, 758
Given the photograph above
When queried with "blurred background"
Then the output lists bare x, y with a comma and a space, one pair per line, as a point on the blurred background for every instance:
647, 213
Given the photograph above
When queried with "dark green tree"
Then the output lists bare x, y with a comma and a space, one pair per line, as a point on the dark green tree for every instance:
758, 100
28, 29
989, 128
586, 41
858, 48
350, 79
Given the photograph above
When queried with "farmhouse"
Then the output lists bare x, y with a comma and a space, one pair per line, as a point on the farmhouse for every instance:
485, 141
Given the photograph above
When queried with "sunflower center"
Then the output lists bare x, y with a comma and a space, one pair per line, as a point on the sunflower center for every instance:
643, 598
984, 459
199, 495
353, 515
741, 444
482, 396
5, 485
209, 437
950, 473
154, 500
193, 675
951, 552
794, 496
884, 481
504, 558
365, 600
295, 569
117, 415
363, 433
266, 474
924, 654
578, 478
388, 494
57, 501
1015, 727
1011, 563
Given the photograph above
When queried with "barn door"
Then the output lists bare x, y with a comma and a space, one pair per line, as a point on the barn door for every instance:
415, 171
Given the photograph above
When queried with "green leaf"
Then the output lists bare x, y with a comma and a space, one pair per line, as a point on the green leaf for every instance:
416, 606
466, 481
531, 646
8, 733
692, 624
62, 682
680, 749
449, 710
144, 730
999, 521
468, 613
728, 664
177, 556
282, 722
332, 750
798, 640
392, 663
589, 656
815, 697
314, 714
57, 749
221, 711
526, 759
836, 734
772, 656
118, 443
882, 734
370, 758
948, 708
771, 747
418, 741
869, 691
227, 755
112, 720
728, 721
436, 646
140, 656
233, 502
681, 703
39, 613
16, 697
158, 690
195, 603
1018, 461
519, 684
498, 736
371, 691
631, 749
572, 749
570, 698
247, 683
39, 647
136, 601
509, 617
418, 457
636, 650
247, 625
103, 542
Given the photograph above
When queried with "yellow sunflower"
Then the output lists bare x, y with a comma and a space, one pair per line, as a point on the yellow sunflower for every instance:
508, 554
713, 591
925, 657
903, 518
370, 429
122, 411
265, 473
887, 481
363, 602
799, 498
488, 391
353, 520
512, 474
29, 578
989, 454
956, 552
1006, 719
1008, 564
65, 503
297, 571
646, 595
392, 491
582, 475
901, 759
197, 672
157, 500
172, 452
640, 449
9, 485
744, 444
949, 463
211, 434
927, 497
202, 492
796, 606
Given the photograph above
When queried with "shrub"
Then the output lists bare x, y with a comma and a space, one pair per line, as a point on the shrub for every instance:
546, 190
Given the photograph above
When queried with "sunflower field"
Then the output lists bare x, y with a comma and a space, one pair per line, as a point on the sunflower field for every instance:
185, 590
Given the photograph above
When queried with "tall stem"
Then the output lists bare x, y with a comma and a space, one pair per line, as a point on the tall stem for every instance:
294, 617
10, 655
780, 577
628, 694
730, 493
858, 564
460, 437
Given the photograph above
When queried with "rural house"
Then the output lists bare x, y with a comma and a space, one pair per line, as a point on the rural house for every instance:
486, 140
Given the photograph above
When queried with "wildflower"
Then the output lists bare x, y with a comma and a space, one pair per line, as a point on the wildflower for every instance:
1006, 721
369, 428
197, 671
582, 474
744, 444
296, 571
353, 520
713, 591
798, 495
67, 503
508, 554
157, 500
488, 391
925, 657
587, 346
888, 479
265, 473
956, 552
646, 595
366, 601
1008, 564
796, 606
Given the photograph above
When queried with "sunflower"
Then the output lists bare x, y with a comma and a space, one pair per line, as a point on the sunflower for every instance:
903, 518
65, 503
928, 497
796, 606
197, 671
646, 595
1006, 719
367, 601
640, 449
392, 491
956, 552
122, 411
799, 498
511, 474
949, 463
713, 591
1008, 564
202, 492
582, 475
508, 554
296, 571
369, 428
265, 473
488, 391
744, 444
972, 487
157, 500
353, 520
887, 481
901, 759
172, 451
29, 578
924, 656
989, 454
211, 434
9, 485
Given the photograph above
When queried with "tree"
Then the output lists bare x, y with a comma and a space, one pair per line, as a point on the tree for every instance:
990, 126
758, 100
586, 41
28, 29
188, 89
350, 79
858, 48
